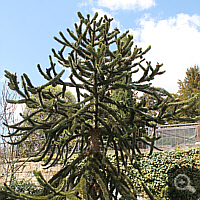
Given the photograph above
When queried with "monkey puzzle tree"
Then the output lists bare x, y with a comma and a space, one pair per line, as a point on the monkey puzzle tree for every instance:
35, 141
98, 120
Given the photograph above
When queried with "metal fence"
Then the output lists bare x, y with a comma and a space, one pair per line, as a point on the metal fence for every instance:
176, 135
170, 136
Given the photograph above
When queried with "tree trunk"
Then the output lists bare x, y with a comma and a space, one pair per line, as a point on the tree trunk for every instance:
94, 140
94, 148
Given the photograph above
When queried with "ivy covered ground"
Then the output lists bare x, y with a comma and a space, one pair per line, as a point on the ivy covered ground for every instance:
161, 169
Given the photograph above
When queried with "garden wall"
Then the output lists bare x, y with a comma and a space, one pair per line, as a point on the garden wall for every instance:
26, 171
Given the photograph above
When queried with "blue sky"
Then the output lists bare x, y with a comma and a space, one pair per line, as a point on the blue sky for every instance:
171, 27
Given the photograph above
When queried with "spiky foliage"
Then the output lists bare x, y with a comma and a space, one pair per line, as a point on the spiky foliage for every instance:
98, 120
35, 141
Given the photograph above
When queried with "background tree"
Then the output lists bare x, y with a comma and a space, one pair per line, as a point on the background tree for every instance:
190, 87
99, 120
8, 153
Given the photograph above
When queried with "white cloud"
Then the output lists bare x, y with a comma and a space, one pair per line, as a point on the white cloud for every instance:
85, 3
127, 4
175, 43
101, 13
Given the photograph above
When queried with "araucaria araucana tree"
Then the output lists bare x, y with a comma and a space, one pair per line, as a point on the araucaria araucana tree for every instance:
103, 62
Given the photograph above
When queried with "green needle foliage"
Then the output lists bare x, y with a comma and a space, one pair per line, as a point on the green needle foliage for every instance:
102, 63
188, 87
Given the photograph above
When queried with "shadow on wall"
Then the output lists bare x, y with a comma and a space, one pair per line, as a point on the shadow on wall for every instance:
183, 183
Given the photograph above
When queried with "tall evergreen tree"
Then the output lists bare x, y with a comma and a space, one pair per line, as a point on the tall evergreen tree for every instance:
99, 121
189, 87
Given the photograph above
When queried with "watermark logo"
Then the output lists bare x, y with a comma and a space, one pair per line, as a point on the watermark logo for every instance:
182, 182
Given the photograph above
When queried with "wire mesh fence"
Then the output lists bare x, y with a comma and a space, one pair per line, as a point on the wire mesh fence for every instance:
176, 135
171, 136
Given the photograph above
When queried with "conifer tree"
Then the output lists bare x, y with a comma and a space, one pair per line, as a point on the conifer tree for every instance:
99, 119
188, 88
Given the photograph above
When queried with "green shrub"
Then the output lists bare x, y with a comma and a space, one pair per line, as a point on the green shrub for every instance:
160, 169
23, 186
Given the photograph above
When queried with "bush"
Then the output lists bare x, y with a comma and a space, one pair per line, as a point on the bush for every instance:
23, 186
160, 170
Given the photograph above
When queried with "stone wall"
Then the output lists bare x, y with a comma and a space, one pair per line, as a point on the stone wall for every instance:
25, 171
